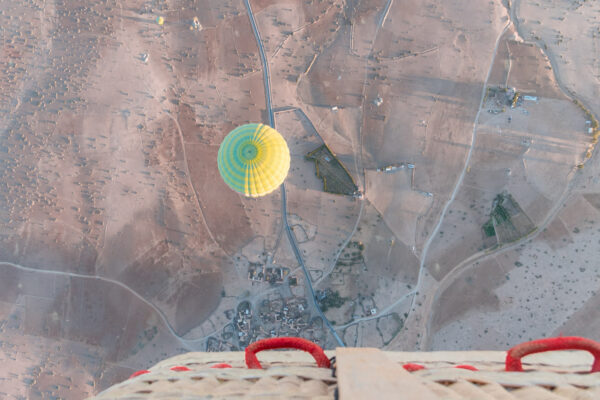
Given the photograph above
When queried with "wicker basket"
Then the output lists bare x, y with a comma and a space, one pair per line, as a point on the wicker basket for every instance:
286, 375
360, 373
558, 375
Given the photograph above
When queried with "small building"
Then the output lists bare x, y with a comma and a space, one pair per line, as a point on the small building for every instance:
378, 101
530, 98
394, 167
391, 167
196, 24
510, 94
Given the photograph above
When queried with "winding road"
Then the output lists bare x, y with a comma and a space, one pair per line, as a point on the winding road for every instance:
470, 261
464, 171
191, 183
290, 234
186, 343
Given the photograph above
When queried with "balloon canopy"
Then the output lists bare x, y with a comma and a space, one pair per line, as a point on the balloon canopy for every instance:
254, 159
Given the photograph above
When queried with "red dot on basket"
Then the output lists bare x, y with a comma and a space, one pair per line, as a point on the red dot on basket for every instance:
222, 365
180, 368
138, 373
466, 366
412, 367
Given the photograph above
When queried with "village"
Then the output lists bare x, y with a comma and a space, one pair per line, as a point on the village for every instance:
274, 316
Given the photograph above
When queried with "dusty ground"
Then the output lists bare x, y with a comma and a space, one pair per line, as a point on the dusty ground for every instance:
402, 208
108, 175
373, 270
426, 116
547, 285
530, 151
428, 67
78, 333
109, 168
570, 32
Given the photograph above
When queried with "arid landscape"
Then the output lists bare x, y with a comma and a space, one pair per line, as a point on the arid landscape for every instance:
443, 192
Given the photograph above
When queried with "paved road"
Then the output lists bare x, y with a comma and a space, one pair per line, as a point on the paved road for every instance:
362, 204
383, 16
290, 234
292, 239
263, 59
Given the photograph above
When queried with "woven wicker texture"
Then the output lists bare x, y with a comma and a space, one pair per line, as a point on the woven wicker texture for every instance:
293, 375
287, 375
552, 375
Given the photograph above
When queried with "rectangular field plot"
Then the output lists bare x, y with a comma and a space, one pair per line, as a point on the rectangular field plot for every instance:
335, 176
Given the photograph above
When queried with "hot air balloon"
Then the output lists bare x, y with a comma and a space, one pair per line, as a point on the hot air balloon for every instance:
254, 159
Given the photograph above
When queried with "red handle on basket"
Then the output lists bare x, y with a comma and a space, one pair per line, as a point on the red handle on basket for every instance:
285, 343
514, 355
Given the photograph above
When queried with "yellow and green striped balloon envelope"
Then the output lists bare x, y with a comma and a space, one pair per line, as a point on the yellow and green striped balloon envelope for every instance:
254, 159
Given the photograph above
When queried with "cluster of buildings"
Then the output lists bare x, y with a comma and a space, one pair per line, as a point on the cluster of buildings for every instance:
391, 168
261, 273
214, 345
502, 97
283, 317
395, 167
273, 317
243, 323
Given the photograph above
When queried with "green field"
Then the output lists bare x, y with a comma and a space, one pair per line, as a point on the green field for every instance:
508, 222
335, 176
